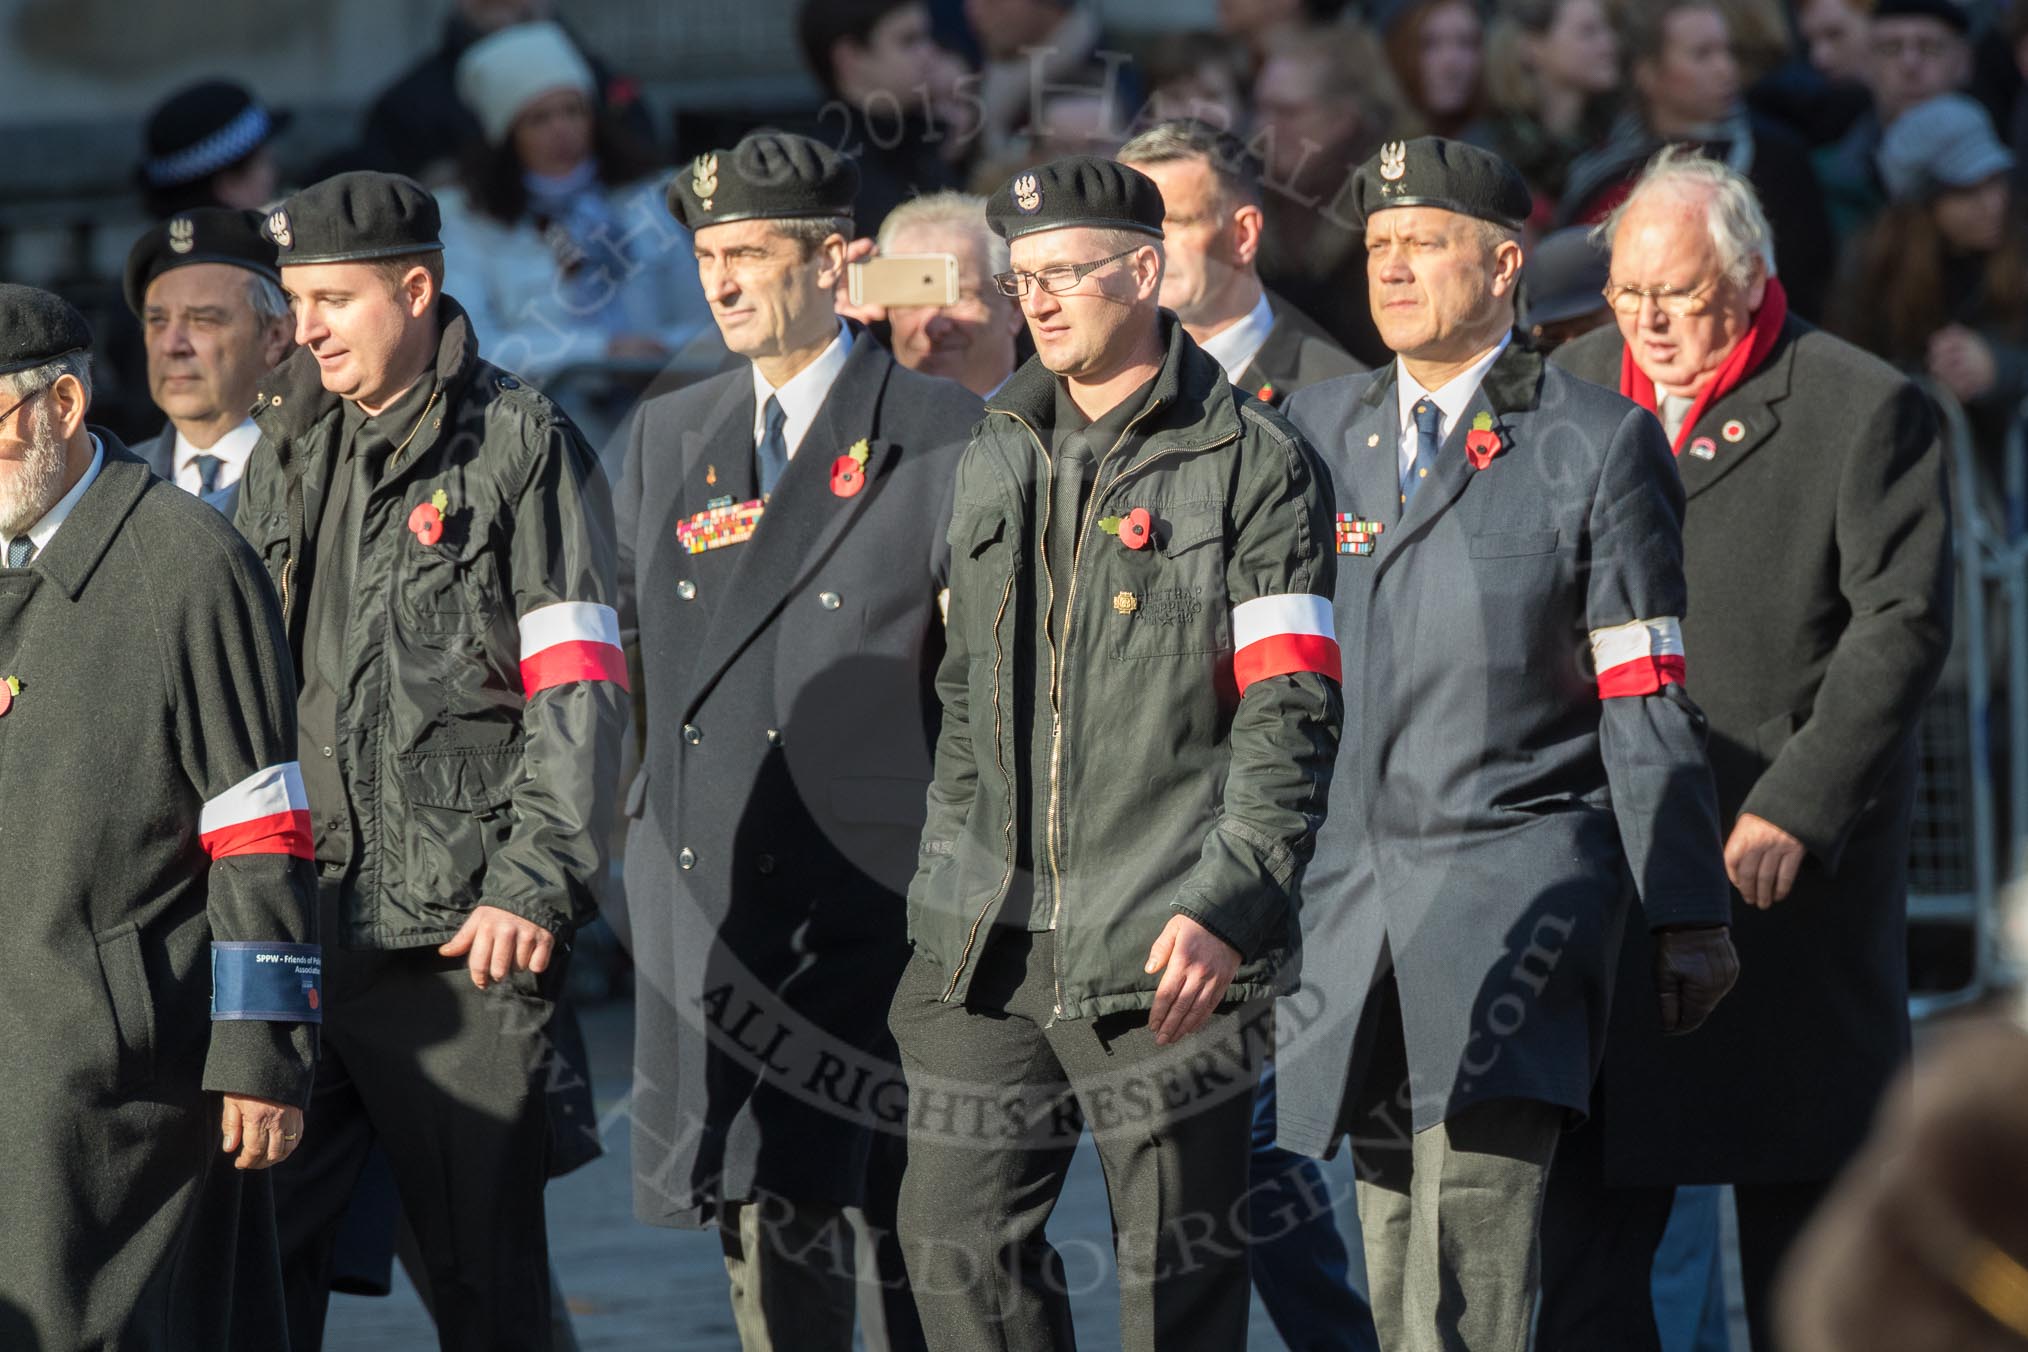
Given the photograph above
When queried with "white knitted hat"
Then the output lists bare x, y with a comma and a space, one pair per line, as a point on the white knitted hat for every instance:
504, 72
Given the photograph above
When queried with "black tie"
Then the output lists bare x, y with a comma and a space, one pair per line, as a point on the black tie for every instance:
19, 550
207, 474
773, 451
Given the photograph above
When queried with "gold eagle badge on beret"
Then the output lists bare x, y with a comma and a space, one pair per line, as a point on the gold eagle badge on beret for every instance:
1028, 194
704, 180
182, 235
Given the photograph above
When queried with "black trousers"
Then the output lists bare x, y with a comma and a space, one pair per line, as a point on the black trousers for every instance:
449, 1080
999, 1095
1599, 1242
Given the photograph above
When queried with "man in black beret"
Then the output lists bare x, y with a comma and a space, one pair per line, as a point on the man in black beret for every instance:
208, 294
1141, 704
1510, 593
441, 540
160, 981
782, 547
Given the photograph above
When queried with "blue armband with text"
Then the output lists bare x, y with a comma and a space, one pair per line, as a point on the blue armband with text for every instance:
278, 983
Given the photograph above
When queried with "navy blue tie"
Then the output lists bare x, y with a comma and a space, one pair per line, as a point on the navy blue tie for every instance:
207, 474
1428, 420
772, 454
19, 550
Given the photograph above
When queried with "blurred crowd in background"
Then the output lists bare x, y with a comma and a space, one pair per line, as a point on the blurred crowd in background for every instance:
1880, 135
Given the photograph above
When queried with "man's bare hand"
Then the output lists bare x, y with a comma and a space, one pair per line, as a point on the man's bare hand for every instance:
260, 1131
1762, 860
858, 251
1196, 967
500, 942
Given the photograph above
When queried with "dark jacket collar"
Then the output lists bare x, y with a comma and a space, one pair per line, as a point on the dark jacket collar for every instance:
87, 533
1191, 394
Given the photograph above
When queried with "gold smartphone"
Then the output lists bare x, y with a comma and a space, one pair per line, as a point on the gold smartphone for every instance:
904, 279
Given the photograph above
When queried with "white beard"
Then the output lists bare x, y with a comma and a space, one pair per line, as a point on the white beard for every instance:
34, 484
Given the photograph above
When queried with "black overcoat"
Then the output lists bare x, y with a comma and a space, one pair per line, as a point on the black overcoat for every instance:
776, 817
1817, 549
154, 682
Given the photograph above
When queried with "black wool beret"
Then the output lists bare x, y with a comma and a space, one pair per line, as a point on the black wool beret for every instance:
37, 327
354, 218
1451, 175
769, 175
200, 235
1078, 190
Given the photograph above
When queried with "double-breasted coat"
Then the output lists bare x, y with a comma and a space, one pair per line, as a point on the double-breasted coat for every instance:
1492, 815
1817, 546
787, 682
146, 767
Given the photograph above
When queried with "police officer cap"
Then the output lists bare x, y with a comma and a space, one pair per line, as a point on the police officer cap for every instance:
354, 218
1433, 172
200, 235
37, 327
1078, 190
769, 175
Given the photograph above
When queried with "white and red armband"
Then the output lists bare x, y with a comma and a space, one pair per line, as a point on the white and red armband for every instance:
1282, 635
1639, 657
265, 813
570, 641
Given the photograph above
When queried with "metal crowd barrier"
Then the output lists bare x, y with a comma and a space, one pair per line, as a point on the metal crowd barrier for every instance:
1955, 853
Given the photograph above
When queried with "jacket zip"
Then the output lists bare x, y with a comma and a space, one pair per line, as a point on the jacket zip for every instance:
1099, 495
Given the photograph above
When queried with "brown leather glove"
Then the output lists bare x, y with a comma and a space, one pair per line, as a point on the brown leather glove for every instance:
1694, 968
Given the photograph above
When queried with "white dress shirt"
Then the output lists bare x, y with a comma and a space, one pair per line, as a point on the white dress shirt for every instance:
43, 531
803, 395
1451, 401
233, 450
1235, 347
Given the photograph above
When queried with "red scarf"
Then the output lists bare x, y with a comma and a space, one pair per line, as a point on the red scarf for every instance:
1746, 358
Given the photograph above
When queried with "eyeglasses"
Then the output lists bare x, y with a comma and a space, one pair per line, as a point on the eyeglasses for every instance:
1674, 302
1055, 280
23, 400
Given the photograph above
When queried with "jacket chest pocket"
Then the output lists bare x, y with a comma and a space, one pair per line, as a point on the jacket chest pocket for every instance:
984, 557
453, 586
1168, 599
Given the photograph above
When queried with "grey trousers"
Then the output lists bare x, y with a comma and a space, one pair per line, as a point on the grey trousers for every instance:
999, 1095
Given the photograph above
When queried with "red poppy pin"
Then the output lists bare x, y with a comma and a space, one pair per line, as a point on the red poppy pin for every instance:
1135, 529
9, 688
1482, 443
848, 471
1266, 393
427, 520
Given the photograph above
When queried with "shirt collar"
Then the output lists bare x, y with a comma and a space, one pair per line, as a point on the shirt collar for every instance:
234, 449
1454, 397
804, 394
1235, 346
43, 531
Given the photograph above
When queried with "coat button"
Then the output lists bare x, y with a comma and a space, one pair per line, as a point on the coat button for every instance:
687, 859
687, 589
766, 864
692, 733
829, 600
774, 736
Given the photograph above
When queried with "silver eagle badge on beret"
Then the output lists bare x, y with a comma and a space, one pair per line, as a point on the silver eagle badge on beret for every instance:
1393, 160
278, 229
182, 235
1027, 194
704, 180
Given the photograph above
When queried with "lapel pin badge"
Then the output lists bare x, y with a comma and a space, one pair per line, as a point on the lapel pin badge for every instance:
427, 520
1135, 529
1704, 448
1734, 430
1126, 603
10, 686
1483, 442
